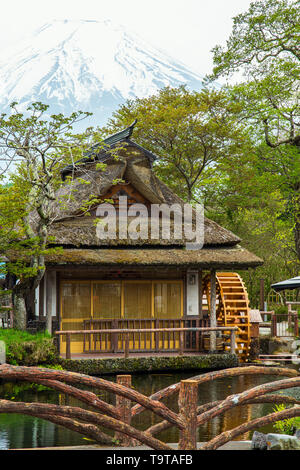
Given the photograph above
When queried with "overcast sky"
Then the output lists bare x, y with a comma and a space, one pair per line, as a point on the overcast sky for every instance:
185, 29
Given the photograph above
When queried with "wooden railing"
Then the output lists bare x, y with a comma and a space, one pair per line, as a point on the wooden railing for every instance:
281, 324
6, 317
285, 325
289, 305
125, 334
117, 415
140, 341
266, 317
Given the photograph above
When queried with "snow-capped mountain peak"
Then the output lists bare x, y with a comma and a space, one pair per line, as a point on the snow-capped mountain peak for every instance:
88, 65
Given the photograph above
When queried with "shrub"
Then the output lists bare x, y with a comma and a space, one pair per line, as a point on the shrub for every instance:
287, 426
280, 310
23, 348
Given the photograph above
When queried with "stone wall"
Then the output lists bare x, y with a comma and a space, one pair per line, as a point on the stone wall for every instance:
150, 364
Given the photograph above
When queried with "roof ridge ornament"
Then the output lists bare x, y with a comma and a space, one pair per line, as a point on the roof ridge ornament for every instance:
121, 135
99, 151
131, 127
124, 134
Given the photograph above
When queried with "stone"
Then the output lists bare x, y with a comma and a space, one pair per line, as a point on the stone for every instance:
2, 352
282, 442
259, 441
297, 433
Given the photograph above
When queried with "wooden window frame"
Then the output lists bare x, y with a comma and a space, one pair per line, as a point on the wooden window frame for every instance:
122, 283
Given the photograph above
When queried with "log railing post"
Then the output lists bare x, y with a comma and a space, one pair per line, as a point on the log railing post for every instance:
296, 326
232, 341
123, 405
273, 325
262, 295
114, 336
213, 317
156, 336
289, 319
187, 404
68, 346
181, 342
126, 346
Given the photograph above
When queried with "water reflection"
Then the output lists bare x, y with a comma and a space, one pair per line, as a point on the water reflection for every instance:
17, 431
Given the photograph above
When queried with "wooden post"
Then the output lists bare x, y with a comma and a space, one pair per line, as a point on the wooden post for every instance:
232, 342
181, 341
296, 326
114, 336
123, 405
187, 404
126, 346
213, 317
156, 336
68, 346
273, 325
262, 295
289, 319
48, 289
200, 294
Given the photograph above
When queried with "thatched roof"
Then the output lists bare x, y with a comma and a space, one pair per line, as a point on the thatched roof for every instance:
81, 232
133, 165
75, 230
218, 258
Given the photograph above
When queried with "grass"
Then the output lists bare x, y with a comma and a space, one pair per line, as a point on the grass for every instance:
23, 348
9, 335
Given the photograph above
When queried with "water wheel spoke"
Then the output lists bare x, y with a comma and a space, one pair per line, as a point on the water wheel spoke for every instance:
232, 309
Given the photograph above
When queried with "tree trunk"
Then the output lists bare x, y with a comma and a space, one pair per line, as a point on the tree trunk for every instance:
297, 227
19, 311
187, 404
213, 316
48, 288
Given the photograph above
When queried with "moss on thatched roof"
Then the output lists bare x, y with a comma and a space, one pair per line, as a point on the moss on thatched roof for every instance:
225, 258
81, 232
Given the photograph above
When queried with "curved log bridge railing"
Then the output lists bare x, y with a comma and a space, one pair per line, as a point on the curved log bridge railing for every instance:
127, 331
118, 418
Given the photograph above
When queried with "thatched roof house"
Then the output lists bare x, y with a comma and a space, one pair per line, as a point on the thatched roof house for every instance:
117, 277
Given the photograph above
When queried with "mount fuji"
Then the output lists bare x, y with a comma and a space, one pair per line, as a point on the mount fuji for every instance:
86, 65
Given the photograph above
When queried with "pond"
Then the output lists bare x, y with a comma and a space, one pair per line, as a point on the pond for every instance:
19, 432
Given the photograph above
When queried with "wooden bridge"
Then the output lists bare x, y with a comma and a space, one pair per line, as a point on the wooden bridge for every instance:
129, 402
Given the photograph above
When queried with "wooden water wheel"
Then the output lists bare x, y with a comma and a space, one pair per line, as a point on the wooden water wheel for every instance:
232, 309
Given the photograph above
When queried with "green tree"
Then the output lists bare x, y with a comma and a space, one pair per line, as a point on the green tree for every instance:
248, 202
191, 132
264, 45
33, 149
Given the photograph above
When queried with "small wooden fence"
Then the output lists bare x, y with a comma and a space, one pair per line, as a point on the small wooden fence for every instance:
285, 325
281, 325
139, 341
93, 338
6, 317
